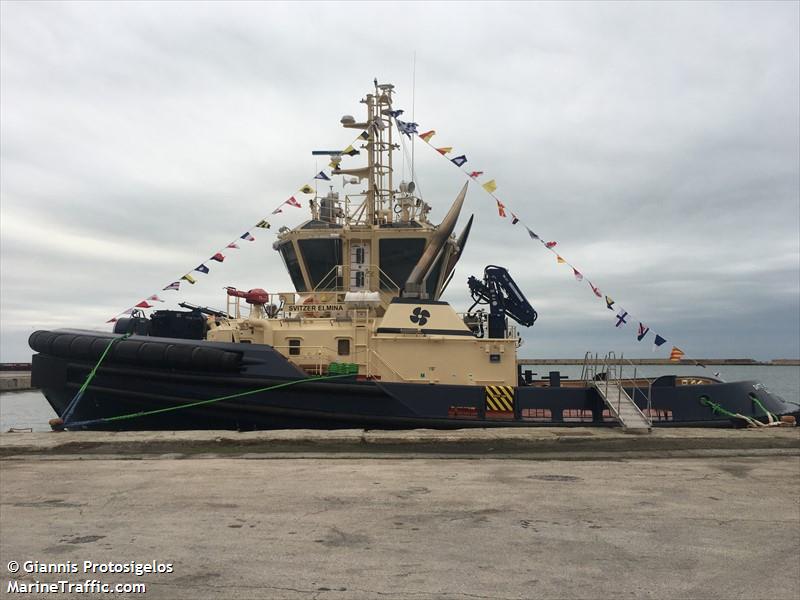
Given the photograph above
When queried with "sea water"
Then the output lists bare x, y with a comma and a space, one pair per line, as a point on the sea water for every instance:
30, 409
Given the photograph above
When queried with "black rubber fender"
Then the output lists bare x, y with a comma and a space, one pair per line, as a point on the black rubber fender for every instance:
125, 351
179, 355
81, 346
151, 354
40, 341
60, 345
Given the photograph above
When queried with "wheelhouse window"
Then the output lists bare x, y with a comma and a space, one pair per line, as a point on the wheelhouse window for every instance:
292, 265
398, 257
321, 257
343, 346
294, 347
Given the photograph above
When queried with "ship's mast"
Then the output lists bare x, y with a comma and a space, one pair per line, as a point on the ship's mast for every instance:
380, 146
371, 157
381, 204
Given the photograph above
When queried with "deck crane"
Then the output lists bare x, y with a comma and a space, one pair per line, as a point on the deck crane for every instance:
504, 298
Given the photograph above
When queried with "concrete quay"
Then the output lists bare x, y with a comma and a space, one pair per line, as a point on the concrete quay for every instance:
536, 443
291, 527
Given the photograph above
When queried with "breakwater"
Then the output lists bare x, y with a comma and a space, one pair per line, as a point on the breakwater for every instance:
12, 381
15, 377
793, 362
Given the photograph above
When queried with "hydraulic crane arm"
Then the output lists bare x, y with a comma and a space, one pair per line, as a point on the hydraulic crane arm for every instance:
504, 298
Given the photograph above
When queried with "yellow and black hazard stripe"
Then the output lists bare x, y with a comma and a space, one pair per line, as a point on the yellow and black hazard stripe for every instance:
500, 398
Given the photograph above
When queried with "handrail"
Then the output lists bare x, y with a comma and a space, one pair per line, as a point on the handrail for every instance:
321, 351
372, 268
333, 269
649, 391
390, 282
648, 418
610, 363
589, 368
614, 368
387, 365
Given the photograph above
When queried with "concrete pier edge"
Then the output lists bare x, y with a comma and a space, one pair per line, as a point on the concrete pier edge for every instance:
539, 443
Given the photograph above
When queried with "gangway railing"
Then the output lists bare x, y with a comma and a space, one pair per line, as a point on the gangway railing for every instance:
608, 376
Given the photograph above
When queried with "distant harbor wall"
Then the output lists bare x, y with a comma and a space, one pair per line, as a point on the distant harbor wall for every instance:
792, 362
15, 377
15, 367
13, 381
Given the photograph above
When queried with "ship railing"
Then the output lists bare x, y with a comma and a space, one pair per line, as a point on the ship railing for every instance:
512, 332
312, 359
316, 359
333, 281
278, 301
387, 365
386, 282
330, 282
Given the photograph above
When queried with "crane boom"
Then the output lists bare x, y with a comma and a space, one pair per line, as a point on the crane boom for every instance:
499, 290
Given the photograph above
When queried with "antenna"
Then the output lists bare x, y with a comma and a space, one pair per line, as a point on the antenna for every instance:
413, 98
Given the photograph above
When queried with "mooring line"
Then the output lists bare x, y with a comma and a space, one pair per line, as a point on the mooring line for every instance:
202, 402
77, 398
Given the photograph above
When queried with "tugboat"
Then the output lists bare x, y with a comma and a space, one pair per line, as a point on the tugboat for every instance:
364, 339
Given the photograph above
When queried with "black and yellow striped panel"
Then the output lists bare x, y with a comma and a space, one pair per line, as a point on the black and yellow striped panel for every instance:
500, 398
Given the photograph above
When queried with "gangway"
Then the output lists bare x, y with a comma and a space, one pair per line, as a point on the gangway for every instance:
609, 385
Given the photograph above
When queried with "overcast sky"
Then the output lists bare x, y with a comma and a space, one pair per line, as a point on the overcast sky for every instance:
659, 144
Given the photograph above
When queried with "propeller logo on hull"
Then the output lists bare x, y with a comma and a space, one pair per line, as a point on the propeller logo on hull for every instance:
419, 316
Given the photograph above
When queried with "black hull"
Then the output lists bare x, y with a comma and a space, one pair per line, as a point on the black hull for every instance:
156, 375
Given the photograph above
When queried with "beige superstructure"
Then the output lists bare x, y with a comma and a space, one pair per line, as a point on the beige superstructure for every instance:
368, 270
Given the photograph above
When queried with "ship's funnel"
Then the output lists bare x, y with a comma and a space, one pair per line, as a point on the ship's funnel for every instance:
413, 286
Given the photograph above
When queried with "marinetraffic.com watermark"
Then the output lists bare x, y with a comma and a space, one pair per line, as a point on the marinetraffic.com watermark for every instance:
85, 581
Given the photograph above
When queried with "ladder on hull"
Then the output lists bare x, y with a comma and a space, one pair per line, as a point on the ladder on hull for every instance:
608, 384
361, 338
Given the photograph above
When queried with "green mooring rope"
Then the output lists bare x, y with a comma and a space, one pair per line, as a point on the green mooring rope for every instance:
74, 402
146, 413
718, 409
757, 402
